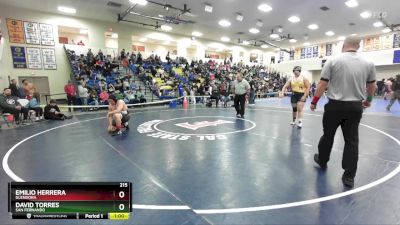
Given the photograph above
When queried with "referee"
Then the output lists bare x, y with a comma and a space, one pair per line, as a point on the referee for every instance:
241, 89
346, 77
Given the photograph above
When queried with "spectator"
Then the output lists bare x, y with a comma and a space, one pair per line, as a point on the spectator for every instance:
34, 104
252, 91
119, 86
28, 89
93, 99
396, 92
83, 93
103, 85
15, 89
81, 43
388, 88
111, 88
9, 104
381, 87
104, 97
130, 97
142, 98
71, 94
122, 53
52, 112
125, 65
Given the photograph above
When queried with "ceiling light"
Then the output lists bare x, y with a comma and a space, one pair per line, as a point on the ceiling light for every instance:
225, 39
306, 44
264, 8
208, 8
66, 9
143, 39
166, 28
197, 34
246, 42
83, 31
274, 36
353, 35
351, 3
294, 19
254, 31
387, 30
341, 38
139, 2
366, 14
313, 26
224, 23
378, 24
264, 46
280, 29
239, 17
292, 40
259, 23
161, 16
329, 33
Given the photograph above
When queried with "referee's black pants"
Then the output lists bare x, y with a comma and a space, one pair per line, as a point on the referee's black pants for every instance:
348, 116
239, 102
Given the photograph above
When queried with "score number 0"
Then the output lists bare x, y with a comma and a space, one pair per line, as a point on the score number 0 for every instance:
121, 195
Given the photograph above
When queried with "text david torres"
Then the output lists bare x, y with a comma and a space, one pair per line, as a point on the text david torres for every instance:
35, 206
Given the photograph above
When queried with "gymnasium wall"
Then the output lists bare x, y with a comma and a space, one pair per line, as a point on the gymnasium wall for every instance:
97, 40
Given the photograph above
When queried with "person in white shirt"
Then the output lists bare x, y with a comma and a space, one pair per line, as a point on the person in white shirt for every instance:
83, 92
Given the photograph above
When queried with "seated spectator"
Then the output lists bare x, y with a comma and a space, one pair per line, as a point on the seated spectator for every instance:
130, 97
111, 89
126, 84
93, 99
104, 97
133, 86
28, 87
119, 86
215, 94
140, 93
34, 104
9, 104
103, 85
52, 112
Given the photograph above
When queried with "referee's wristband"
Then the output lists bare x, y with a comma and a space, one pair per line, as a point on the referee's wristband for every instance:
369, 98
315, 100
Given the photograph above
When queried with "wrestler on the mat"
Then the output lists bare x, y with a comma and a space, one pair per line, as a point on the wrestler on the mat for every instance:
118, 115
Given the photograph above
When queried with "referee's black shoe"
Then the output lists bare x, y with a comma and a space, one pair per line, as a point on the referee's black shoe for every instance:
347, 180
321, 165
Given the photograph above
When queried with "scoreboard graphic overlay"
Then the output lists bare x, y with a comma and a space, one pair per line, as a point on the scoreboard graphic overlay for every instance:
71, 200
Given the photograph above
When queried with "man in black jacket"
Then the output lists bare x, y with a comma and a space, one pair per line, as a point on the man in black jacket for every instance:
52, 112
9, 104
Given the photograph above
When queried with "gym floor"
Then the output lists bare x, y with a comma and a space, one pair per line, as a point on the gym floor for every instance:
204, 166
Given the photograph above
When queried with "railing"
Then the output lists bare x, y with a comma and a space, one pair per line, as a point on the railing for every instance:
47, 96
71, 74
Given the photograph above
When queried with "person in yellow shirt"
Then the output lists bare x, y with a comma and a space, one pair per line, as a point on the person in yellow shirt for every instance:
300, 87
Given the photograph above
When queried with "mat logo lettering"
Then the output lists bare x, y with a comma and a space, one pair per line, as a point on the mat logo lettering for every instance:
202, 124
